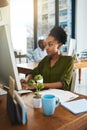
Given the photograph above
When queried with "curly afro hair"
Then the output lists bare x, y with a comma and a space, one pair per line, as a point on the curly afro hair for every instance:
59, 34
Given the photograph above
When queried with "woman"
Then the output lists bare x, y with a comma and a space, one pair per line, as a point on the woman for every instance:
56, 69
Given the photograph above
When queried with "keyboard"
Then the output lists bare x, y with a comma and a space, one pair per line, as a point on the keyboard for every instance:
24, 91
2, 91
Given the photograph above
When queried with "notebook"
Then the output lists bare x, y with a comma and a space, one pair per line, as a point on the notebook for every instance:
12, 110
63, 95
76, 106
16, 109
22, 106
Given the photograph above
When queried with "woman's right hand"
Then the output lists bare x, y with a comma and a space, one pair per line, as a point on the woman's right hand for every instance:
23, 81
28, 77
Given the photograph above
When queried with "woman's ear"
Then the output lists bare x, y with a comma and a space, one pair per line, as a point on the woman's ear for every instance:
59, 45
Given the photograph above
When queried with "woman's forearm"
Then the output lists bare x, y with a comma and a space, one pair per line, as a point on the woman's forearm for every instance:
53, 85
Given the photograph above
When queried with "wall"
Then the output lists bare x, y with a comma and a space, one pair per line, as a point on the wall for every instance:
5, 15
81, 24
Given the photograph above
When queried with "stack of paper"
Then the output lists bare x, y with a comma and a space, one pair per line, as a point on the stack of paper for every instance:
77, 106
2, 91
63, 95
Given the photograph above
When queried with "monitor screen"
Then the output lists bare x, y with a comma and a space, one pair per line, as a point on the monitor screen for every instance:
8, 65
72, 47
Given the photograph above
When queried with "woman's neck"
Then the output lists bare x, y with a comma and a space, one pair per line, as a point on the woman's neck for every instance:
55, 56
54, 59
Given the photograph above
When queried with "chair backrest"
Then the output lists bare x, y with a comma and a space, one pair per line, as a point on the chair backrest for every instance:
72, 47
73, 81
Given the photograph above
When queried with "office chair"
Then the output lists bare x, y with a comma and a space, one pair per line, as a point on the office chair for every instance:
72, 52
73, 81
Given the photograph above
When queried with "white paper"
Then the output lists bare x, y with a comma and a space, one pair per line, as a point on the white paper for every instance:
63, 95
77, 106
2, 92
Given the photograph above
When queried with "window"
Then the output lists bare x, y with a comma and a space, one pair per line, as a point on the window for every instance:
45, 17
65, 15
22, 29
47, 14
27, 28
65, 21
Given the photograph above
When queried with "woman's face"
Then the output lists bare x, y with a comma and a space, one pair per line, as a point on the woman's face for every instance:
51, 46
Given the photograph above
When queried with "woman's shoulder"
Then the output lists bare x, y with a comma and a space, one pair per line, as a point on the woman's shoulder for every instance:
45, 58
67, 58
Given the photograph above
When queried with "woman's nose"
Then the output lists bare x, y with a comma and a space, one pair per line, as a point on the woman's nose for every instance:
46, 47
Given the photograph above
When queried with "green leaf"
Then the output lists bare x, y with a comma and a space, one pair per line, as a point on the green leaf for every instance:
38, 77
40, 86
31, 82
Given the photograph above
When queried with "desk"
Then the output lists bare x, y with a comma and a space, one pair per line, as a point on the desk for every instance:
79, 65
26, 67
61, 120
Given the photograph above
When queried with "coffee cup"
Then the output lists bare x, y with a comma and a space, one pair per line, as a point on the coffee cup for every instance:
49, 103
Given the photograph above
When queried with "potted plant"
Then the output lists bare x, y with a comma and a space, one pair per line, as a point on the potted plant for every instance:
37, 82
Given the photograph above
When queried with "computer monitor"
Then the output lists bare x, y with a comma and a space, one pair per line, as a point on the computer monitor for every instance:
8, 65
72, 47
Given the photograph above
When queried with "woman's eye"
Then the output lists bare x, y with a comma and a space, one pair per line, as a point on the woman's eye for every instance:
50, 44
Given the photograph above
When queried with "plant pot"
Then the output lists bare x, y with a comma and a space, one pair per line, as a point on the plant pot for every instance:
37, 102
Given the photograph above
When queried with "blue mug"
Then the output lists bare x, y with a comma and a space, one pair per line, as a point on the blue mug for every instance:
49, 103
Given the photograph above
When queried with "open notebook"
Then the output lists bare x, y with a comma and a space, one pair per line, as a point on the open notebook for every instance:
63, 95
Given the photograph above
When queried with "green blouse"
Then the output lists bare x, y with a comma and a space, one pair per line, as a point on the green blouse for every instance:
61, 71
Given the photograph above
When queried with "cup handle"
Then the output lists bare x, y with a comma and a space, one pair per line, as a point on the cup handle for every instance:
57, 101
